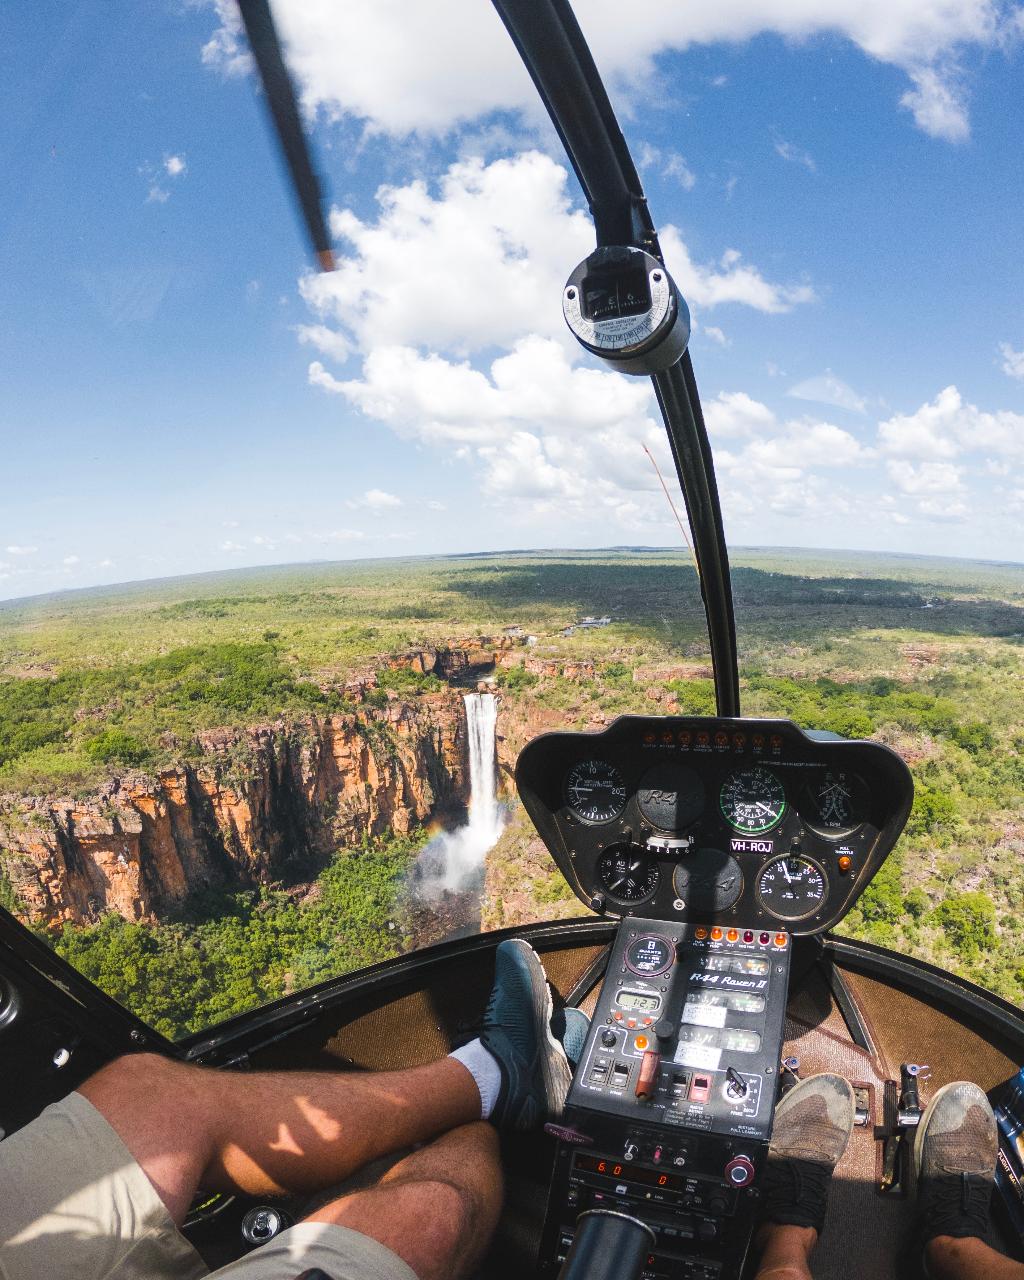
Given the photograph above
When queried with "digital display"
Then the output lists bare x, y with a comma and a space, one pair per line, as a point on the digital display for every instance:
738, 1001
637, 1000
733, 1039
617, 1169
610, 297
737, 964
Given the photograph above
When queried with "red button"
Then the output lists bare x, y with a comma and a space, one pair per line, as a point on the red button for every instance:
748, 935
764, 939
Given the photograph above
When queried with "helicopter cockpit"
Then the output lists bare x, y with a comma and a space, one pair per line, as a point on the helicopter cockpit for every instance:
714, 857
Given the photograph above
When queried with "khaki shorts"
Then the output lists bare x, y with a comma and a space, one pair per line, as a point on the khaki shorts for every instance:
73, 1203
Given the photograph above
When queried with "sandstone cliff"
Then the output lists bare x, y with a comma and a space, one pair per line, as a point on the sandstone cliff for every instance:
269, 803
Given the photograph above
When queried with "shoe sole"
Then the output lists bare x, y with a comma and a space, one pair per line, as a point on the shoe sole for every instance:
555, 1069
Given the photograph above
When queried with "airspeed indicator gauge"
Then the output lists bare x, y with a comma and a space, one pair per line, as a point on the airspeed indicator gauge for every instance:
792, 887
752, 800
595, 791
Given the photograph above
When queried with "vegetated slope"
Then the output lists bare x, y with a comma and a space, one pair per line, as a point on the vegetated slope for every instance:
926, 655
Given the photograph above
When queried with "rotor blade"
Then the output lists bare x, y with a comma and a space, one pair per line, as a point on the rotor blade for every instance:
284, 110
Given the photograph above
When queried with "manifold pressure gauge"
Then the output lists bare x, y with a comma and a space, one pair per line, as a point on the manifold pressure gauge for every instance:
622, 305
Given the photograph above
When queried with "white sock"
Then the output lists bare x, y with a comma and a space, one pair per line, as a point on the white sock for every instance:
484, 1069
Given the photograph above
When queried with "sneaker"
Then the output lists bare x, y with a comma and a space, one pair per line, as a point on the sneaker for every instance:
535, 1072
955, 1159
813, 1123
571, 1026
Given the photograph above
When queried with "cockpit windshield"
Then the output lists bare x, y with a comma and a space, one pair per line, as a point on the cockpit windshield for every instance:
293, 564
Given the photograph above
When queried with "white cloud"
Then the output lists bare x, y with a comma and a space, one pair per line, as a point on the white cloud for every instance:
474, 70
105, 564
938, 104
669, 164
716, 335
377, 500
826, 388
175, 166
1013, 361
157, 195
16, 550
413, 277
70, 561
790, 152
925, 478
228, 545
948, 426
734, 413
434, 505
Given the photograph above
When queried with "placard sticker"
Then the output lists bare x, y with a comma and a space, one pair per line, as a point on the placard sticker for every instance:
704, 1015
701, 1056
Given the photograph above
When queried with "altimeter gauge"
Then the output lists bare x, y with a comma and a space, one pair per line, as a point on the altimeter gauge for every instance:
835, 803
595, 791
627, 875
792, 887
752, 800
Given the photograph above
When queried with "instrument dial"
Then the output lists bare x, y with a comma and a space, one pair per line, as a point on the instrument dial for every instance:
752, 800
835, 803
792, 887
627, 875
595, 791
650, 956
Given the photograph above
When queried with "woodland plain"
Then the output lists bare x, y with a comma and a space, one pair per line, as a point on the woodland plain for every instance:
926, 655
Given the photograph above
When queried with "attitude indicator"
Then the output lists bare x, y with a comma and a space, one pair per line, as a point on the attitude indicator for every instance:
627, 875
595, 791
752, 800
792, 887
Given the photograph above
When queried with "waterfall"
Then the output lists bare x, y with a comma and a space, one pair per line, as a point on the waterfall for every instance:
454, 860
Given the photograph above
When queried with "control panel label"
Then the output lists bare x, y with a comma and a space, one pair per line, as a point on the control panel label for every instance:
751, 846
703, 1056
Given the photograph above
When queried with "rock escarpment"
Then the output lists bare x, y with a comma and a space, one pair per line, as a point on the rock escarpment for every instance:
263, 804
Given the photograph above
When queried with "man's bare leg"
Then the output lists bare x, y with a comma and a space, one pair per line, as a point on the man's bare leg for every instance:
270, 1134
785, 1252
969, 1258
450, 1191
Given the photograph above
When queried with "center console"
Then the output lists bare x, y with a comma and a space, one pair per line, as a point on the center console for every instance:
670, 1110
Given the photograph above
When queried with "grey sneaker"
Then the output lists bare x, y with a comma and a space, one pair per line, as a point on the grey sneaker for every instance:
535, 1072
955, 1158
571, 1026
813, 1123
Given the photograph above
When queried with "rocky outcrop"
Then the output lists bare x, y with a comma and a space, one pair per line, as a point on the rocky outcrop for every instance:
264, 804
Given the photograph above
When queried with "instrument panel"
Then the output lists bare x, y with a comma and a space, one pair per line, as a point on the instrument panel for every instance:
714, 819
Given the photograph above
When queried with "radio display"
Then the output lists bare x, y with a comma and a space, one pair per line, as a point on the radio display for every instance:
619, 1169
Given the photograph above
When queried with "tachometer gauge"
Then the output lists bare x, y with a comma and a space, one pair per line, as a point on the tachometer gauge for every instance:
752, 800
627, 875
792, 887
835, 803
595, 791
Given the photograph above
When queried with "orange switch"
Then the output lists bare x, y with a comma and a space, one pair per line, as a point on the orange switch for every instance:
845, 863
780, 939
641, 1042
716, 934
732, 935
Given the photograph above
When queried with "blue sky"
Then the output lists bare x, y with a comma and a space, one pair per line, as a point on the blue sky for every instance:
840, 189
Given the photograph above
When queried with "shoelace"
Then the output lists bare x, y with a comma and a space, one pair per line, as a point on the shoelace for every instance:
956, 1205
796, 1192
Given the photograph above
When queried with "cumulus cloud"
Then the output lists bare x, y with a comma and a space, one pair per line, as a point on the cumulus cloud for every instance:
473, 70
948, 426
174, 166
1013, 361
18, 550
826, 388
229, 545
376, 500
716, 335
71, 561
669, 164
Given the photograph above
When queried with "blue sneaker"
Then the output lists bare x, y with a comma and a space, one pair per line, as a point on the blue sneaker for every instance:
571, 1026
535, 1072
